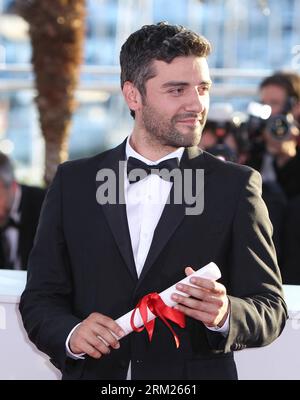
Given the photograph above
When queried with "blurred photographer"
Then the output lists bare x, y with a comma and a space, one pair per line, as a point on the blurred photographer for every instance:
273, 131
218, 136
275, 153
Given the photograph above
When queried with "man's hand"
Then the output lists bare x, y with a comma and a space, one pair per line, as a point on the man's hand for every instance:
208, 301
93, 336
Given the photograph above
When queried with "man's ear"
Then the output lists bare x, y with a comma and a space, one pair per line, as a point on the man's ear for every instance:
132, 96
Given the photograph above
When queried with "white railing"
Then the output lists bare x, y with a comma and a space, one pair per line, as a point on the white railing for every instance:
252, 76
115, 70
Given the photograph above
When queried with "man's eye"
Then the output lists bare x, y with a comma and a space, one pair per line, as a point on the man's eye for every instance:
176, 91
204, 88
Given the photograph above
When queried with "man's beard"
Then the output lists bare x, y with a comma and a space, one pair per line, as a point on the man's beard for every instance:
164, 131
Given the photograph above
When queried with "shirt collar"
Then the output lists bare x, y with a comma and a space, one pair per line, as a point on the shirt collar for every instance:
130, 152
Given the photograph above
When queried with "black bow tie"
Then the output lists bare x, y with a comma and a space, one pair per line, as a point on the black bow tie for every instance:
136, 164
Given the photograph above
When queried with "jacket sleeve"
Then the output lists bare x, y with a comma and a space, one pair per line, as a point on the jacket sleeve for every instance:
258, 311
46, 303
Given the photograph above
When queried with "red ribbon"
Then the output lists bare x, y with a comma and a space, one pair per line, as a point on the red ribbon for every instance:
156, 305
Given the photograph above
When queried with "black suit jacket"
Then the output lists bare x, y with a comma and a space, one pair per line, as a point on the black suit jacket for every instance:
82, 262
288, 176
30, 207
276, 203
291, 242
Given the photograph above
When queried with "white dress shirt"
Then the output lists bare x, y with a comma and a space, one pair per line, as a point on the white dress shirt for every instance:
12, 233
268, 173
145, 201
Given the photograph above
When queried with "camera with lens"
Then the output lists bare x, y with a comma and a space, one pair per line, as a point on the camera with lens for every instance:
279, 127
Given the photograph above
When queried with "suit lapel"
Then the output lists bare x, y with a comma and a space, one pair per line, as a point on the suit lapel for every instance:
173, 214
116, 213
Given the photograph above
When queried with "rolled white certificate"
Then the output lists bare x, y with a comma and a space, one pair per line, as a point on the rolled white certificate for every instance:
209, 271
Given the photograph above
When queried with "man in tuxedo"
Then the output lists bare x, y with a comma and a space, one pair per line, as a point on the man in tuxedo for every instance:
20, 207
94, 260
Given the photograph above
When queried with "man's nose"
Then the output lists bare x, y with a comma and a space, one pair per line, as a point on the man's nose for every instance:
196, 102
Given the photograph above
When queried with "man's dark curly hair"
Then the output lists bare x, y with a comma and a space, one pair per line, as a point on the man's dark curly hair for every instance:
157, 42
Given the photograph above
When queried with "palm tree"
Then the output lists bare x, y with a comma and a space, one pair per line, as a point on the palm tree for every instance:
57, 33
